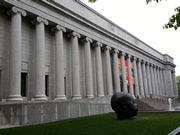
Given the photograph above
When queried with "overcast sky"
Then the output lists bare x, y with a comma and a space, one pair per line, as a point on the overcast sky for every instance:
145, 22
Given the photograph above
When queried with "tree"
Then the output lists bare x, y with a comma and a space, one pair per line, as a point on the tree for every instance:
178, 83
92, 1
174, 20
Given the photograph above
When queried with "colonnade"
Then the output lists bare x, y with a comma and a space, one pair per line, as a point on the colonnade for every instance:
150, 79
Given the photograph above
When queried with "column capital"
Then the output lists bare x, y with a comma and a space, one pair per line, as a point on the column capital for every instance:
143, 62
97, 44
87, 39
150, 64
107, 48
129, 56
75, 34
147, 63
134, 58
115, 50
139, 60
15, 9
39, 20
59, 28
155, 66
123, 53
160, 68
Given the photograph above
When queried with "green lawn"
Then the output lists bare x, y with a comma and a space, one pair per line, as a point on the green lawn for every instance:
154, 124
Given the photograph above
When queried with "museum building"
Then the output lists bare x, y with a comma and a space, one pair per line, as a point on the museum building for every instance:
57, 51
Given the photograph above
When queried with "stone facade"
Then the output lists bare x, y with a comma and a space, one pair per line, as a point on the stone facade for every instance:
62, 50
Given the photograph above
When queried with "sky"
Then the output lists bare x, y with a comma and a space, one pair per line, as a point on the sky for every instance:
145, 21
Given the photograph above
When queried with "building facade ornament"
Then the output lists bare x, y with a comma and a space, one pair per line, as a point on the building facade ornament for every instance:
15, 10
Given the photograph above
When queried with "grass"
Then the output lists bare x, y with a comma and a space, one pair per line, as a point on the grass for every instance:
154, 124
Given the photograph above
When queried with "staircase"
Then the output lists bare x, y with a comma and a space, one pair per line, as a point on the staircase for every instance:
155, 104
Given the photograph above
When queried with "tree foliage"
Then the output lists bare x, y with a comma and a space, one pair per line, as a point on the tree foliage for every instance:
152, 0
174, 20
92, 1
178, 83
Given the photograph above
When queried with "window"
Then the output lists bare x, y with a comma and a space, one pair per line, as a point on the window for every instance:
65, 84
0, 85
47, 85
23, 84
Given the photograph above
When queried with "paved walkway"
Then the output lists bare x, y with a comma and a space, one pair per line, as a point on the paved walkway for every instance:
175, 132
8, 126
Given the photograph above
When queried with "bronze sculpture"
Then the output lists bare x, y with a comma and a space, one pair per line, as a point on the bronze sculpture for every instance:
124, 105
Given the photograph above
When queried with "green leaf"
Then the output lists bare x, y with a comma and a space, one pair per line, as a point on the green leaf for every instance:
92, 1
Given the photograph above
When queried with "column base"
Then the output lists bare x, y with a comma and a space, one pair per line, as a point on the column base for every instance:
76, 97
142, 96
89, 96
110, 94
138, 97
100, 95
40, 98
14, 98
133, 96
60, 98
154, 97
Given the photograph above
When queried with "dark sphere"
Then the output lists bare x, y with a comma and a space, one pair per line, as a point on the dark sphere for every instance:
124, 106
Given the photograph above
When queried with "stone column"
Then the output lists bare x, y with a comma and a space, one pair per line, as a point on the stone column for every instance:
116, 71
149, 79
174, 84
99, 69
76, 93
169, 83
88, 68
159, 81
153, 81
108, 70
145, 79
162, 82
123, 72
39, 93
165, 83
141, 86
59, 57
137, 94
14, 93
130, 76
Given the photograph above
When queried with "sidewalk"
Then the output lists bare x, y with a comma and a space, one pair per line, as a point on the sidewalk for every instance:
8, 126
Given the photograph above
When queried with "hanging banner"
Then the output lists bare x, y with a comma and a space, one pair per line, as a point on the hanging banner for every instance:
127, 74
132, 68
126, 69
119, 63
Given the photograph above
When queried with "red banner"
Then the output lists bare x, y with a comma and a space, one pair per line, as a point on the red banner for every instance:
126, 69
127, 75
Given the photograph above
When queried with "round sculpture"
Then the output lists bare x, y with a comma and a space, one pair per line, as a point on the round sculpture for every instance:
124, 106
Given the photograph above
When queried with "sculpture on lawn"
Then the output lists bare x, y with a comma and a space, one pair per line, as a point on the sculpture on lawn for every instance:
124, 106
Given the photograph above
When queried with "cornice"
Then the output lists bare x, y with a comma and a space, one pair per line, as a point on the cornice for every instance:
122, 42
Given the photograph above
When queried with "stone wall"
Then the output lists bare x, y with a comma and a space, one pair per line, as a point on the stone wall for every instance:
40, 112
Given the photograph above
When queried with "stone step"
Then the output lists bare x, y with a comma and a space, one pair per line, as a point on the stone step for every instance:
156, 103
